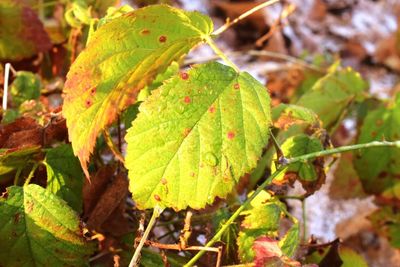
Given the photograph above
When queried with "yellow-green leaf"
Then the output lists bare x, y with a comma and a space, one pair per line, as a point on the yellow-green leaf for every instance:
122, 57
196, 136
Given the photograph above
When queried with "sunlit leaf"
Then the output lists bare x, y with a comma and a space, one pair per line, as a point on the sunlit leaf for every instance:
21, 33
290, 241
64, 175
379, 168
39, 229
196, 136
107, 76
331, 95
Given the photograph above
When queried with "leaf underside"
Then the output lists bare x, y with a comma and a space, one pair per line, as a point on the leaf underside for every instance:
108, 75
196, 136
39, 229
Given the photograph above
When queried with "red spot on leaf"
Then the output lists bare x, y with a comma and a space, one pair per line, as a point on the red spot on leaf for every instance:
88, 103
187, 100
211, 109
162, 39
184, 76
230, 135
145, 32
93, 91
157, 198
236, 86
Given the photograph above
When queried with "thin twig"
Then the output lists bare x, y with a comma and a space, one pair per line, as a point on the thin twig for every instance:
228, 24
156, 213
32, 172
5, 88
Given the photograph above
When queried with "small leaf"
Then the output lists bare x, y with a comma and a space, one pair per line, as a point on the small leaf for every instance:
379, 168
196, 136
291, 240
26, 86
107, 76
285, 115
332, 94
310, 173
64, 175
14, 158
40, 229
21, 33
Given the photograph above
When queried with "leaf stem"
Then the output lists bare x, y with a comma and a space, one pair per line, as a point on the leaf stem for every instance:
341, 149
156, 213
221, 54
113, 147
218, 235
31, 173
228, 24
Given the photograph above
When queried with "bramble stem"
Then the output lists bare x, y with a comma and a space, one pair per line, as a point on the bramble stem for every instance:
244, 15
156, 213
341, 149
31, 173
267, 182
221, 54
218, 235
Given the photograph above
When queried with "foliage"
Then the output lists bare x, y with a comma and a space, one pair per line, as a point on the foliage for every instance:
190, 140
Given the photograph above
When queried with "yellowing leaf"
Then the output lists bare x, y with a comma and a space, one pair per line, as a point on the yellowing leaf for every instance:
39, 229
196, 136
122, 57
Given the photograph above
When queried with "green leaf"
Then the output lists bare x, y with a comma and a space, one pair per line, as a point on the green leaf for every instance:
386, 221
196, 136
379, 168
39, 229
107, 76
332, 94
26, 86
350, 258
14, 158
21, 33
309, 173
64, 175
291, 240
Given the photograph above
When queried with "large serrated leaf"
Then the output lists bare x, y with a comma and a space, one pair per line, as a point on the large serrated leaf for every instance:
122, 57
39, 229
196, 136
64, 175
379, 168
21, 32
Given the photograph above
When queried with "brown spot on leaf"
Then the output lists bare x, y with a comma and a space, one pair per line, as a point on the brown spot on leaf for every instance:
186, 132
236, 86
29, 206
379, 122
230, 135
157, 198
187, 100
17, 217
382, 175
211, 109
192, 174
162, 39
373, 134
145, 32
184, 76
164, 181
93, 91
